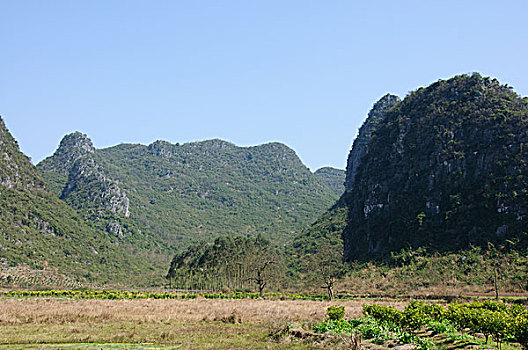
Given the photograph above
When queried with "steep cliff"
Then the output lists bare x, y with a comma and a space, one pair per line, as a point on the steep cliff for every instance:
375, 117
445, 169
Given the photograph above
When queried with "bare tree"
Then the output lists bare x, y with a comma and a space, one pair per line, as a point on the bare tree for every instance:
264, 264
326, 267
260, 277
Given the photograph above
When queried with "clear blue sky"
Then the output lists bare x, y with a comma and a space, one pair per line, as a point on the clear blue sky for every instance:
300, 72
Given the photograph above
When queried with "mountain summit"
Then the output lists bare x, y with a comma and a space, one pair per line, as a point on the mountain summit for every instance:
79, 180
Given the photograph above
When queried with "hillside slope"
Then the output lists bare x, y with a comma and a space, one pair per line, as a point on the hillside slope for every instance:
181, 194
39, 230
333, 178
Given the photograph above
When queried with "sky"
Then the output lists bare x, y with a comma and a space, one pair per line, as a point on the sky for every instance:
304, 72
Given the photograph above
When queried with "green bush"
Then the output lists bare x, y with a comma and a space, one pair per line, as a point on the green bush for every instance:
338, 326
335, 312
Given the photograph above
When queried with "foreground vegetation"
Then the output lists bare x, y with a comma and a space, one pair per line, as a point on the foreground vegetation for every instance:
61, 320
418, 323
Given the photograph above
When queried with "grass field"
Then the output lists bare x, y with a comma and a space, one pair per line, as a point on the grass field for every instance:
155, 324
61, 323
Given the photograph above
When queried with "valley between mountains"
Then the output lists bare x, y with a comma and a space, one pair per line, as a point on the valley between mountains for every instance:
438, 175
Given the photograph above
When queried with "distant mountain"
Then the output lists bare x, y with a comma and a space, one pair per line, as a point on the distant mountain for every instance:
181, 194
444, 169
333, 178
43, 232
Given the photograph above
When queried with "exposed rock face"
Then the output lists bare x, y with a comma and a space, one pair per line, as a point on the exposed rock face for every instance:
444, 169
72, 147
81, 181
360, 147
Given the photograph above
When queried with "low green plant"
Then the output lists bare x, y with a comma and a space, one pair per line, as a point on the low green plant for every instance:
335, 312
439, 327
340, 326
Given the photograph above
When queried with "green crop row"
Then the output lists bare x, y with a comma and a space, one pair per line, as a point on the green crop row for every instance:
495, 319
124, 294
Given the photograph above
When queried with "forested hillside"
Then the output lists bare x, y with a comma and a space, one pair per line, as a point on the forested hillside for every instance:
333, 178
41, 232
443, 169
181, 194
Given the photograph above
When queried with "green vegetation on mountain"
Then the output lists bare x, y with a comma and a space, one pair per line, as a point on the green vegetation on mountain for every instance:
39, 230
182, 194
444, 170
333, 178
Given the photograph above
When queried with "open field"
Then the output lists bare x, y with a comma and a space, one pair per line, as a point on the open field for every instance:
168, 324
63, 323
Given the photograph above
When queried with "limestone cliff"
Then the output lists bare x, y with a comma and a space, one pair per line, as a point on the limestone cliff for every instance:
360, 147
75, 176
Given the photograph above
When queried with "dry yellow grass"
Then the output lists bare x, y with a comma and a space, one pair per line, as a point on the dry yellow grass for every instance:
51, 311
168, 324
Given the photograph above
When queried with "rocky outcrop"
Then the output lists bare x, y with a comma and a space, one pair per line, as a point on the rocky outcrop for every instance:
72, 147
360, 147
81, 182
161, 148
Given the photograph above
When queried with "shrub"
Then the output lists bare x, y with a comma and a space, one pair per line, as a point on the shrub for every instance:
335, 312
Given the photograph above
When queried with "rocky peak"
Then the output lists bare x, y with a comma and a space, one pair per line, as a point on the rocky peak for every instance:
81, 176
72, 147
360, 146
77, 141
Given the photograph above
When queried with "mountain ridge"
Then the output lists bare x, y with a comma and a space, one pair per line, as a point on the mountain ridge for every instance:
183, 193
